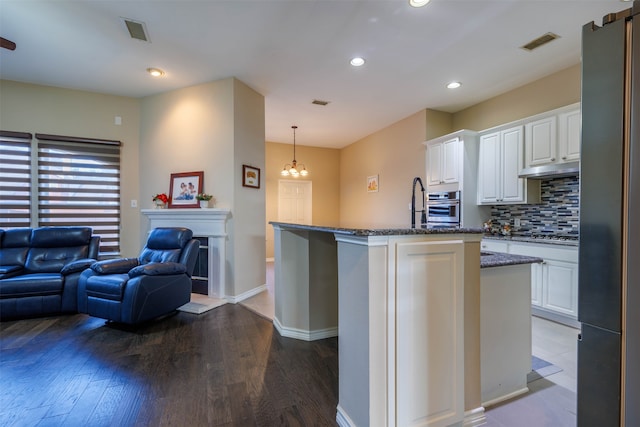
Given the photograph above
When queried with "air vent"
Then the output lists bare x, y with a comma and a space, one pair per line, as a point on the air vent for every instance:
544, 39
319, 102
136, 29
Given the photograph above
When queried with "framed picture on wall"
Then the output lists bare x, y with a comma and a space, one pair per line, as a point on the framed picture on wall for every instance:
250, 176
372, 184
183, 189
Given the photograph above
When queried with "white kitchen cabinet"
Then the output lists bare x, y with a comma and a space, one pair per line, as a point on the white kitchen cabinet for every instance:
540, 137
452, 165
569, 128
443, 162
553, 137
554, 283
536, 284
494, 246
560, 287
500, 161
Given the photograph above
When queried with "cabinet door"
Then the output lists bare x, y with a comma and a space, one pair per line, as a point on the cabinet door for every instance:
560, 291
429, 311
512, 163
540, 142
450, 161
569, 135
434, 164
537, 279
489, 170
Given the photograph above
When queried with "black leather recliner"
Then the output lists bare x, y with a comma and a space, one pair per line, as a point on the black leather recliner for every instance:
134, 290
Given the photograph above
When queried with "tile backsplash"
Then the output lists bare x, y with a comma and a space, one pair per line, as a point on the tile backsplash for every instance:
557, 213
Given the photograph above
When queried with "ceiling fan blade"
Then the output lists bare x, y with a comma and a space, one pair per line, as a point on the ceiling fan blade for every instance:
7, 44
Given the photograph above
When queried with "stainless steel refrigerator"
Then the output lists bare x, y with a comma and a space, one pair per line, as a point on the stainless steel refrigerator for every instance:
609, 275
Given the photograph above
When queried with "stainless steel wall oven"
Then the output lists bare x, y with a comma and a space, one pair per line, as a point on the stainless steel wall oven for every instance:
443, 209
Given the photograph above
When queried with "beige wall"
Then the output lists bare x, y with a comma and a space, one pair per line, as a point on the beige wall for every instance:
213, 127
45, 109
396, 155
249, 269
323, 165
554, 91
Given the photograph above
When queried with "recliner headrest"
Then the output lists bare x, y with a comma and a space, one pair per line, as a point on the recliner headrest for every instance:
169, 238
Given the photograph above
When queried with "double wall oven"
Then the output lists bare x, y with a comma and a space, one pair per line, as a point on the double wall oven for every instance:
443, 209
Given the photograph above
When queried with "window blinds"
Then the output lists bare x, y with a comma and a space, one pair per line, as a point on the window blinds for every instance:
15, 179
79, 184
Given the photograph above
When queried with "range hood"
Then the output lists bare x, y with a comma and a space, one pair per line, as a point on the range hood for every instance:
555, 170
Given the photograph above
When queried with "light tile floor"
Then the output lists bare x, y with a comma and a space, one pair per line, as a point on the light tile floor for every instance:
551, 401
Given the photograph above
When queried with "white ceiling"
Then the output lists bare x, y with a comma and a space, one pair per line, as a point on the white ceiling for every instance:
295, 51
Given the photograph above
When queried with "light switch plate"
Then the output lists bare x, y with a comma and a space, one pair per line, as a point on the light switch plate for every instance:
134, 203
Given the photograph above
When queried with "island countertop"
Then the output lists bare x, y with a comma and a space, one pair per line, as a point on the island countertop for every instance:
391, 231
500, 259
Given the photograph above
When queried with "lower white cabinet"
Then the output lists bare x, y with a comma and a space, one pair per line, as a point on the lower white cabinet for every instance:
554, 282
560, 287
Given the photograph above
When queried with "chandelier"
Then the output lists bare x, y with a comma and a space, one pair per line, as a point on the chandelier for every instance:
292, 168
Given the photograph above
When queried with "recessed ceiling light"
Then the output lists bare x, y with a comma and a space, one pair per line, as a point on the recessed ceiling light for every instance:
357, 62
454, 85
418, 3
155, 72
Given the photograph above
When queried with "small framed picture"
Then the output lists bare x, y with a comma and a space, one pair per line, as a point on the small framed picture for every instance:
183, 189
250, 176
372, 184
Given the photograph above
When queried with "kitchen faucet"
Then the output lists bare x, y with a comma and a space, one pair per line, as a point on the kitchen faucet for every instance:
423, 217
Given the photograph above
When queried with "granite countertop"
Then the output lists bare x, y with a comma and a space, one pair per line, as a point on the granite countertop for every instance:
499, 259
529, 239
392, 231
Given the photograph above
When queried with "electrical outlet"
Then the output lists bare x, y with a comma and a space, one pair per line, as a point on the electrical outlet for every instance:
134, 203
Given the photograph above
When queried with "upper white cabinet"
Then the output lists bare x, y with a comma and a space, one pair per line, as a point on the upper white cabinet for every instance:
500, 162
452, 165
553, 137
541, 147
569, 128
443, 162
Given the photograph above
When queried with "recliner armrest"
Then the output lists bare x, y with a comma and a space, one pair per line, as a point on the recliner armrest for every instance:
115, 266
77, 265
158, 269
7, 271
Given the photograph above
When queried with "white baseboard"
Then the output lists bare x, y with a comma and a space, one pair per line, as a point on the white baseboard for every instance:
343, 419
302, 334
245, 295
507, 396
474, 417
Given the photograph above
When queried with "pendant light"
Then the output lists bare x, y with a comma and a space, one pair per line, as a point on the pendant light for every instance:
292, 168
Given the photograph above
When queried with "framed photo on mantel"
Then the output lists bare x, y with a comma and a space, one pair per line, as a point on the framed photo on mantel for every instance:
184, 187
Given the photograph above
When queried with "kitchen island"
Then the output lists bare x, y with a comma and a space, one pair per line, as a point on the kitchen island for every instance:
406, 306
505, 325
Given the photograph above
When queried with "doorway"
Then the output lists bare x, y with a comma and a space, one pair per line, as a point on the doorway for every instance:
294, 201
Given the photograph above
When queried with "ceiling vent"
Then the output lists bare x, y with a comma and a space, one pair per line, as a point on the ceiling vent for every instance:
137, 30
319, 102
544, 39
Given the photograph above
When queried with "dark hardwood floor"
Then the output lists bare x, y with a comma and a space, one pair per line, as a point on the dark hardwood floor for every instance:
227, 367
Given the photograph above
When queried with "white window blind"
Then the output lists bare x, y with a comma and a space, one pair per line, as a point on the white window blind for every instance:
79, 184
15, 179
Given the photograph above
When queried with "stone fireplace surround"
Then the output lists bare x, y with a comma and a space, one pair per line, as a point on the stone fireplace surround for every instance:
209, 223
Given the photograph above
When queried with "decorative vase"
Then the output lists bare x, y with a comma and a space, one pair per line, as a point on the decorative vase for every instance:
159, 204
204, 203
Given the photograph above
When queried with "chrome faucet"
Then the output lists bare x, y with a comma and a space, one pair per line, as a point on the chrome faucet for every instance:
423, 217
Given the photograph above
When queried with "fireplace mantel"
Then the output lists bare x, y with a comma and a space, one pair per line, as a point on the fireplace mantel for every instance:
210, 223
